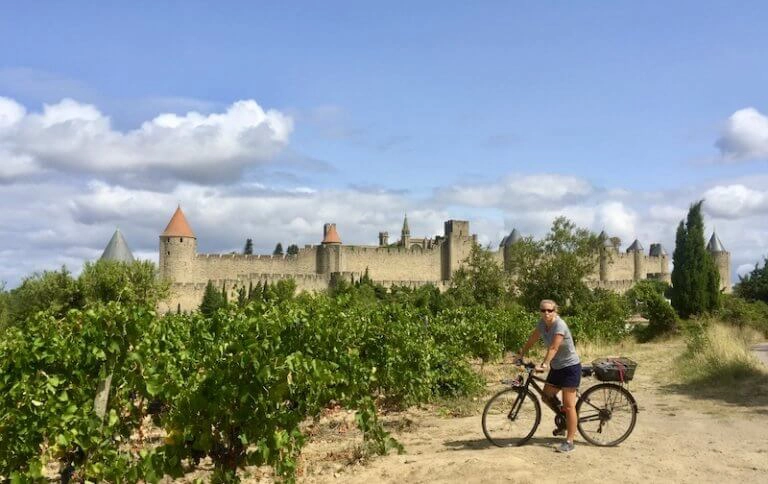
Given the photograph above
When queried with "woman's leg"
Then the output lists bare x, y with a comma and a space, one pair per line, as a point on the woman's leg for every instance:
571, 418
550, 390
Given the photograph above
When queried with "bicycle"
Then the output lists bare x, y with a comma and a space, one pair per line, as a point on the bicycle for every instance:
607, 412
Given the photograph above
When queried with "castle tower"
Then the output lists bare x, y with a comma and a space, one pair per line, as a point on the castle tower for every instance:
405, 234
117, 249
722, 259
606, 250
329, 254
657, 250
383, 239
506, 246
636, 249
178, 248
456, 248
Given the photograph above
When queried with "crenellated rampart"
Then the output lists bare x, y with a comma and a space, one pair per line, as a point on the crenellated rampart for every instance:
408, 263
394, 263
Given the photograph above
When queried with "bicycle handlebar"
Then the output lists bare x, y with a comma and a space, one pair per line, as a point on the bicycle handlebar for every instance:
529, 365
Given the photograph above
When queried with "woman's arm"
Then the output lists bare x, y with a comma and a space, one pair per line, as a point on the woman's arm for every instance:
551, 351
531, 341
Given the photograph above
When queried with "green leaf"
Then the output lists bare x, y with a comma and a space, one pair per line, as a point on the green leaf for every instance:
37, 403
113, 418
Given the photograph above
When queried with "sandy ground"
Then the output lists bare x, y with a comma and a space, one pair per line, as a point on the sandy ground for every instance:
682, 435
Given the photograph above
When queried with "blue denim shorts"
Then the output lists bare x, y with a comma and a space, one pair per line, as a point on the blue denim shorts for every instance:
568, 377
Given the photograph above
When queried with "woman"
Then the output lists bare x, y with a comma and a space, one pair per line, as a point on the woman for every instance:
565, 373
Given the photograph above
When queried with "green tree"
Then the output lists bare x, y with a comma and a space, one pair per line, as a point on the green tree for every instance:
213, 300
556, 267
131, 283
695, 279
282, 290
248, 250
54, 291
481, 280
278, 249
293, 249
754, 285
3, 306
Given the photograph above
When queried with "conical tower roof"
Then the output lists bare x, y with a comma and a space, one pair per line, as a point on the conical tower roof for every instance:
406, 229
178, 226
605, 239
513, 237
117, 249
635, 247
330, 235
714, 244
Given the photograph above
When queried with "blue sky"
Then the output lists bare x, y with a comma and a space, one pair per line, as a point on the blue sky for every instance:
618, 115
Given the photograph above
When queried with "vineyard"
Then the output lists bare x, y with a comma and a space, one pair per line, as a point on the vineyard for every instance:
234, 386
86, 361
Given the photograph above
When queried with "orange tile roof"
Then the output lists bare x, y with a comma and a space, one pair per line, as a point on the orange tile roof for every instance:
331, 236
178, 226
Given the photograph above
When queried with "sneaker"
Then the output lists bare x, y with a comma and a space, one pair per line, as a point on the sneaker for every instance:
566, 447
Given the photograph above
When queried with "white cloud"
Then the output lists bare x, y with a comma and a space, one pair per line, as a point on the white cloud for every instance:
46, 224
524, 191
735, 201
744, 136
70, 136
618, 220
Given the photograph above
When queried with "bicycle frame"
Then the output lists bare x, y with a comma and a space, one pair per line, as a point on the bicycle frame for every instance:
531, 382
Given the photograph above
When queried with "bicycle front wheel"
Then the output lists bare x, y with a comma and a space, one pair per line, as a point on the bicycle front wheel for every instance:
607, 414
511, 417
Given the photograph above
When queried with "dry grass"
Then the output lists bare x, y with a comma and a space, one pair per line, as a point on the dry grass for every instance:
720, 352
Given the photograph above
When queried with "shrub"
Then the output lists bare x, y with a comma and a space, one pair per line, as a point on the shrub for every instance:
601, 316
740, 312
716, 352
131, 283
754, 285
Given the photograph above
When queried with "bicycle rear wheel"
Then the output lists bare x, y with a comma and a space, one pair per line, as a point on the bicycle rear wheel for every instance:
607, 414
511, 417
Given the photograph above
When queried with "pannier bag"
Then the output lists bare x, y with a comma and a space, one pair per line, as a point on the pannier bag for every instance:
614, 369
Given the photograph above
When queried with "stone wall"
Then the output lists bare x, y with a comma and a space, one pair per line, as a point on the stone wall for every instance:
394, 263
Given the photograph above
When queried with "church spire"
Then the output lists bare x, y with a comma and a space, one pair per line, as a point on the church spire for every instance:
406, 230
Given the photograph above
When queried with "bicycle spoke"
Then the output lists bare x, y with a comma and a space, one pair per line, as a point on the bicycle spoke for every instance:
607, 414
510, 418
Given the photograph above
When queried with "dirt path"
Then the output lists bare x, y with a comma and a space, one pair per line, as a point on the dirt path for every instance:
682, 435
761, 351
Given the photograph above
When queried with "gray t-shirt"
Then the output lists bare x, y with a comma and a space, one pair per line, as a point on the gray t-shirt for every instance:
566, 354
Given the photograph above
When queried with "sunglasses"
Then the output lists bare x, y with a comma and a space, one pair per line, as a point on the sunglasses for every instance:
547, 310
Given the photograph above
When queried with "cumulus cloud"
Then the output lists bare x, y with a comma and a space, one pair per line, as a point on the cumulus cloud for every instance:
524, 191
744, 136
735, 201
48, 223
70, 136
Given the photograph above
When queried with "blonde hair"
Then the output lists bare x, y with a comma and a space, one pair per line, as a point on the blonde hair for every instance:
548, 301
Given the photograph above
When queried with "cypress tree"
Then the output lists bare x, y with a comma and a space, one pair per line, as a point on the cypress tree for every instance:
695, 280
242, 298
212, 300
278, 249
248, 250
681, 285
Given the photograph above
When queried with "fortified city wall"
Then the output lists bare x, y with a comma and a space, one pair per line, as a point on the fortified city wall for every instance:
410, 262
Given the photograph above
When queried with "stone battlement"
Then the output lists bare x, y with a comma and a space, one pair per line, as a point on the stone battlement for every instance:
411, 262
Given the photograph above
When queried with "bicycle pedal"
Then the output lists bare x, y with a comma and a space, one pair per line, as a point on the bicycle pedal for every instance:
558, 431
